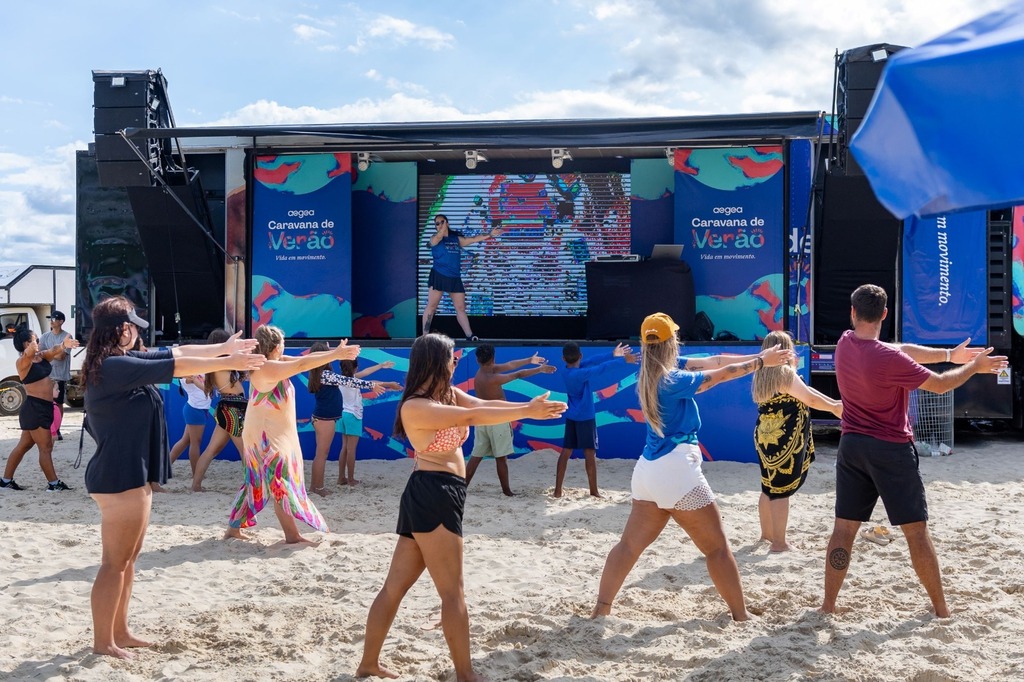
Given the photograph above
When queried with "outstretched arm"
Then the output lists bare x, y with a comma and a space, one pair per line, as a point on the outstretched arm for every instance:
334, 379
466, 241
813, 398
288, 366
535, 359
60, 350
772, 357
211, 350
982, 363
715, 361
426, 414
926, 355
387, 364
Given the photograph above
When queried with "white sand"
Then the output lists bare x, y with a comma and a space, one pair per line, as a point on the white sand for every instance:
255, 611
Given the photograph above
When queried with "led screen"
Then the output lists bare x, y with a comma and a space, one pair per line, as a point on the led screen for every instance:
551, 226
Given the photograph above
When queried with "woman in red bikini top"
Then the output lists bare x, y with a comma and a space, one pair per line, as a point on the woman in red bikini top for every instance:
435, 416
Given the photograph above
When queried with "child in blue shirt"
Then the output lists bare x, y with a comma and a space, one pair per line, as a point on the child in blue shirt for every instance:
580, 424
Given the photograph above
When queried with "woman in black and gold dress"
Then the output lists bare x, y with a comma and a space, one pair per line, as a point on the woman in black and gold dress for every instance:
782, 436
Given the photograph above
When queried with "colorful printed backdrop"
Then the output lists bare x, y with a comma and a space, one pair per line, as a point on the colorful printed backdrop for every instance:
301, 244
729, 216
727, 412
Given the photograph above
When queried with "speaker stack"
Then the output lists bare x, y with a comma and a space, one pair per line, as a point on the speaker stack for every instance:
858, 72
127, 99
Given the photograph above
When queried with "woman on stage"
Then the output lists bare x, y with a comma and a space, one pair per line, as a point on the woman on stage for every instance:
446, 274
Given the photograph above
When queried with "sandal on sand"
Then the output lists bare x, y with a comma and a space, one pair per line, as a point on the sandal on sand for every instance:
879, 535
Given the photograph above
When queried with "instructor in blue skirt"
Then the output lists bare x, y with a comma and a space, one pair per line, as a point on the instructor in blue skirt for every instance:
446, 276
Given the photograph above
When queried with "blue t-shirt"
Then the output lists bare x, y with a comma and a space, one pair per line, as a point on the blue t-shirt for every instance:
579, 394
680, 418
447, 255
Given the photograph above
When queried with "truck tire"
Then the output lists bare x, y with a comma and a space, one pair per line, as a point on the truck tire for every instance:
76, 401
12, 397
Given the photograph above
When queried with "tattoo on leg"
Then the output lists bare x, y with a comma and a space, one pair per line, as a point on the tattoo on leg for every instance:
427, 321
839, 559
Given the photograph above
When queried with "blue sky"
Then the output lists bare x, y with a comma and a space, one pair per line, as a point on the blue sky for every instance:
265, 62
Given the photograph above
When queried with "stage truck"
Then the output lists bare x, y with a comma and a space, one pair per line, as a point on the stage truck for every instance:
734, 225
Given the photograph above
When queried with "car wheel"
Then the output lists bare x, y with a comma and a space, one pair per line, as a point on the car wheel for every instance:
12, 397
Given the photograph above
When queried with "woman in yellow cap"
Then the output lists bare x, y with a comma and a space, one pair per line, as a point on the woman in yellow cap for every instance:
667, 481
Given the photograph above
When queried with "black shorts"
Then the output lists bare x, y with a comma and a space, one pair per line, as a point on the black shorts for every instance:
36, 413
62, 390
868, 468
580, 435
439, 282
432, 499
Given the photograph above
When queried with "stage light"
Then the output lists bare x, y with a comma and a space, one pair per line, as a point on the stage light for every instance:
560, 156
363, 160
118, 81
473, 157
670, 155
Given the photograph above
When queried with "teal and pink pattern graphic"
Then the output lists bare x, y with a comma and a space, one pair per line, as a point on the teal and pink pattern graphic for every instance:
728, 413
1017, 250
729, 217
301, 244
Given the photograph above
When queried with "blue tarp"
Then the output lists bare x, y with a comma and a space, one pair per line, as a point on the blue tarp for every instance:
943, 132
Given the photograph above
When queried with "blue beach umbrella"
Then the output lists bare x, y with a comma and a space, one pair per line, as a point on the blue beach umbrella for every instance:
944, 130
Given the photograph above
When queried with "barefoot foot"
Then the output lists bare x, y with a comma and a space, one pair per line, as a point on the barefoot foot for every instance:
375, 670
299, 540
112, 650
322, 492
130, 641
235, 533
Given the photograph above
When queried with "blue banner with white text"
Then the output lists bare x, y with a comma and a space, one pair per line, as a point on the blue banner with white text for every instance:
944, 279
729, 215
302, 244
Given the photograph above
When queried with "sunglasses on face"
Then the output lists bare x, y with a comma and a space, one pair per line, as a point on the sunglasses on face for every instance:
438, 223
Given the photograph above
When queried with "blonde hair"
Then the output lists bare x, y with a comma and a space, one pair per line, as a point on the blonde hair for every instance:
771, 381
657, 360
268, 338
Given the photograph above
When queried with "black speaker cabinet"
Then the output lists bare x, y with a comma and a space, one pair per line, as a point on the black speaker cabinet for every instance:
107, 120
123, 174
135, 92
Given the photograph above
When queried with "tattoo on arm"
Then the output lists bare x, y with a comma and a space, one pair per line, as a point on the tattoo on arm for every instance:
839, 559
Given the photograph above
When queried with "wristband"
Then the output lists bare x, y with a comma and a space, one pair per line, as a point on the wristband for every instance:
761, 361
949, 354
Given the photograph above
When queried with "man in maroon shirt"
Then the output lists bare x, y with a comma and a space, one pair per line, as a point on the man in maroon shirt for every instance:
876, 450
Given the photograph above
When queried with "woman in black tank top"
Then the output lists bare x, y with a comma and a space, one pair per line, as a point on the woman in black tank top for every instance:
36, 414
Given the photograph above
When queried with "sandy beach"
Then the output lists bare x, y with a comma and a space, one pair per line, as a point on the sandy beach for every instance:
232, 610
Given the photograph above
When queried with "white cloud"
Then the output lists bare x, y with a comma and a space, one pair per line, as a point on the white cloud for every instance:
390, 29
308, 33
37, 207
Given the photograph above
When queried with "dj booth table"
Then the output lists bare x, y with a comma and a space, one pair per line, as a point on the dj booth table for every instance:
621, 294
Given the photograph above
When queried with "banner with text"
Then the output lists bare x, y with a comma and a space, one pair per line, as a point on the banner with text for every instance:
301, 244
729, 215
944, 279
